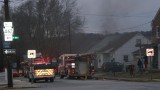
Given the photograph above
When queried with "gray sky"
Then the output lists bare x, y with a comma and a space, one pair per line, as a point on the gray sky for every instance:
118, 15
115, 15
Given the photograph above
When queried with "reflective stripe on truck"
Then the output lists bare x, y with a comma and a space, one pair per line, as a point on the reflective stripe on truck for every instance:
44, 72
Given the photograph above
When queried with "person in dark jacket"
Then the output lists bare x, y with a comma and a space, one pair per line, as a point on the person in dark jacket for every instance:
140, 65
145, 62
131, 69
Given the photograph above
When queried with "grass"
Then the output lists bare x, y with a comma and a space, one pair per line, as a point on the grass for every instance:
143, 75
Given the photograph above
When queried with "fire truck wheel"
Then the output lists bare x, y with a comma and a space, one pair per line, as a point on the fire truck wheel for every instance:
62, 76
78, 77
46, 80
52, 80
34, 80
68, 77
29, 80
89, 77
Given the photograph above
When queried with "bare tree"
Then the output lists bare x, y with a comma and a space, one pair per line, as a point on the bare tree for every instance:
44, 24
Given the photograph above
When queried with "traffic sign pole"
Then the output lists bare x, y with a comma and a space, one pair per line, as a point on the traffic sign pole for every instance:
150, 54
9, 71
151, 66
31, 54
8, 57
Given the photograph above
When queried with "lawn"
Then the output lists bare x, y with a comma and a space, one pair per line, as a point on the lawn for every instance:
140, 75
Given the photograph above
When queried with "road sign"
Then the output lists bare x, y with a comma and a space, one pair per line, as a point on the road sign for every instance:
8, 31
8, 24
9, 51
8, 38
31, 53
6, 44
15, 37
150, 52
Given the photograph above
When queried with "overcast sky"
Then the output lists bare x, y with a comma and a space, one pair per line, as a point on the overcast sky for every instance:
118, 15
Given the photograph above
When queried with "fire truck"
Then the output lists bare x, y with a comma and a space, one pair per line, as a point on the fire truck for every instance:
76, 65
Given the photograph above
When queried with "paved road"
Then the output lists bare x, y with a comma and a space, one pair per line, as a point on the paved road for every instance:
65, 84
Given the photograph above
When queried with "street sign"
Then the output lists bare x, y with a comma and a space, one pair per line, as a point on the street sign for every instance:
150, 52
8, 31
15, 37
31, 53
8, 38
6, 44
7, 24
9, 51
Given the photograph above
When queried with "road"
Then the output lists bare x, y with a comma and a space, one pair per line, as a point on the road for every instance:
65, 84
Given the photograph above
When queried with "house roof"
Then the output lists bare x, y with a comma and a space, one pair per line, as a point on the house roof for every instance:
156, 19
112, 42
103, 43
117, 43
158, 13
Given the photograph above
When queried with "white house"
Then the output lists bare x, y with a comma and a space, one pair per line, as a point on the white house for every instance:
118, 48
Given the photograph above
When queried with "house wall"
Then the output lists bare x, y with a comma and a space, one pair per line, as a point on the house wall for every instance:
155, 23
101, 58
159, 56
128, 48
155, 40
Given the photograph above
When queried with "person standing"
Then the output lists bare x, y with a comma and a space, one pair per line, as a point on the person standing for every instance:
145, 62
140, 65
131, 69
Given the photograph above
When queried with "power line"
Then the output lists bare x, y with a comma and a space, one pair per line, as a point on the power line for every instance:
118, 16
124, 29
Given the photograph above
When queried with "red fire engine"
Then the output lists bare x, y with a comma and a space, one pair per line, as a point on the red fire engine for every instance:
73, 65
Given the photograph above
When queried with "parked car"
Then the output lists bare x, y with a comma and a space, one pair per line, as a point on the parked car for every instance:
112, 66
15, 73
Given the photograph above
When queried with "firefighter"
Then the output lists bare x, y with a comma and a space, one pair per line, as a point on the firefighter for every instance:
131, 69
145, 61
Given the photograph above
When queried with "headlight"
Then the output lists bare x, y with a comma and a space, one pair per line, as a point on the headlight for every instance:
73, 64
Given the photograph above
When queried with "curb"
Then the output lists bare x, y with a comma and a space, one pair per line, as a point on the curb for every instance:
24, 84
127, 79
3, 84
19, 85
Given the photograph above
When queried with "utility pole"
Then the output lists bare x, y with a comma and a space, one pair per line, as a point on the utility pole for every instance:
6, 8
70, 46
8, 57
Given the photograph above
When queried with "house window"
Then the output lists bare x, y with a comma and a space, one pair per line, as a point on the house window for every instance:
125, 58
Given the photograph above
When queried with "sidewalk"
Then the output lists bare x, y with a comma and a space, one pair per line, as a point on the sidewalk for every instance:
16, 83
19, 84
